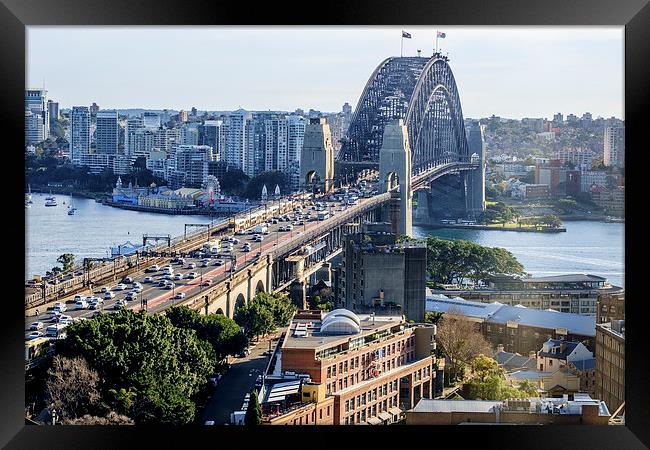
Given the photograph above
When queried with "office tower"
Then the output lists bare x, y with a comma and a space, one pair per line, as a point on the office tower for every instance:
166, 138
189, 134
190, 160
211, 133
275, 148
53, 110
107, 135
34, 132
79, 133
36, 102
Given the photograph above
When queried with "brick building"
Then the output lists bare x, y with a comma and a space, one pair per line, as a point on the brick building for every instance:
611, 305
610, 363
365, 368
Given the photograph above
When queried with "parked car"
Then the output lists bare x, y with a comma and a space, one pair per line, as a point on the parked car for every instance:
34, 335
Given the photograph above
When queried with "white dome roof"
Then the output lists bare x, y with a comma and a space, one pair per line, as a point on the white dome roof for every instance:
340, 321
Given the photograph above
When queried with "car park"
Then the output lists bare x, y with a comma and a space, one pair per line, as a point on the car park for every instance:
35, 326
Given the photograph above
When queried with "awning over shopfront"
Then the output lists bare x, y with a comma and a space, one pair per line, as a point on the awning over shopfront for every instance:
384, 416
374, 421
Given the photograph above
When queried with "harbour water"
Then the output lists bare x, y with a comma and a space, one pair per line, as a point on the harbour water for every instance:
591, 247
586, 247
90, 232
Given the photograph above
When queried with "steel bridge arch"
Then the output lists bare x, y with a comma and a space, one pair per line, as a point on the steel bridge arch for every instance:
430, 106
436, 78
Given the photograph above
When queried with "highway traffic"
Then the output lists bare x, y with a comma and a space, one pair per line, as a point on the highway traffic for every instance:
179, 279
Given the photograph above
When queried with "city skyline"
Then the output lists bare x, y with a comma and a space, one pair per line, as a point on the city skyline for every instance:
528, 75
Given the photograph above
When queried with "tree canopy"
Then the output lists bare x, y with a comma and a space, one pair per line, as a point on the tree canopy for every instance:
453, 261
488, 382
163, 365
264, 313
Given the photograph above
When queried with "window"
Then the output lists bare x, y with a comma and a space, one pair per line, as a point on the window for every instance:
329, 372
320, 413
328, 411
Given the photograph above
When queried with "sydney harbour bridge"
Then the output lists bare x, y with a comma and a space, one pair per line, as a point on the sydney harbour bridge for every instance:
447, 161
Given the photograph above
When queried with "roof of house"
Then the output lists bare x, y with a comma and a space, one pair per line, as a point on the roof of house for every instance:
563, 352
511, 361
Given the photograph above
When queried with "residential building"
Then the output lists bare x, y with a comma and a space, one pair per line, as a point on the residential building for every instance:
367, 258
519, 329
151, 120
578, 157
211, 133
236, 147
189, 134
611, 199
614, 145
36, 102
183, 116
551, 384
610, 363
556, 354
370, 365
558, 118
121, 164
96, 162
107, 134
575, 409
276, 134
190, 160
589, 178
141, 142
132, 125
572, 293
80, 136
165, 138
94, 109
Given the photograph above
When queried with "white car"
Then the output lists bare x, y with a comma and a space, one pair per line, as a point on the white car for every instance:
178, 276
191, 275
119, 304
35, 326
109, 295
154, 268
169, 285
120, 287
81, 304
34, 335
180, 295
235, 241
104, 289
59, 307
66, 320
240, 232
205, 262
137, 289
148, 280
191, 266
137, 285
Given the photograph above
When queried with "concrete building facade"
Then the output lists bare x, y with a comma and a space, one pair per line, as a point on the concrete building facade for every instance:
610, 363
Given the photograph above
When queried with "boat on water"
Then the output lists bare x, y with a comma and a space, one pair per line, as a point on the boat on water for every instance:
51, 201
71, 208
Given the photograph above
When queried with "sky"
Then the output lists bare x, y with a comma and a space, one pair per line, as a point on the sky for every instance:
511, 72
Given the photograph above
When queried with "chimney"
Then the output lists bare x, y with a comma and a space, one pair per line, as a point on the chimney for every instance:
562, 346
532, 354
500, 348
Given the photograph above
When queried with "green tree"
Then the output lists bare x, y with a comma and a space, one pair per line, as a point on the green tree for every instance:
254, 411
66, 260
488, 381
255, 319
234, 182
567, 205
162, 364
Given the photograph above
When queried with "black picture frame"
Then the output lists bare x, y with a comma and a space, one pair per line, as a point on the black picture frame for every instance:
15, 15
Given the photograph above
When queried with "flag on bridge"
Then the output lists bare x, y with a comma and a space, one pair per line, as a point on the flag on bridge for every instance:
406, 35
441, 35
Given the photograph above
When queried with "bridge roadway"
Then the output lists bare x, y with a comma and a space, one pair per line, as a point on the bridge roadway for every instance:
276, 244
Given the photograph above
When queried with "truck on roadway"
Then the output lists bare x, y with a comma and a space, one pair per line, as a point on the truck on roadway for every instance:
261, 229
211, 247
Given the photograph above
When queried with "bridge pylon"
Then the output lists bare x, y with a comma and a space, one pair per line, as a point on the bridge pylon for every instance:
317, 156
395, 169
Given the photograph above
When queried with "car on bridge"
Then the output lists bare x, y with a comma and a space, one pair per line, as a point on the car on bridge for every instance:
130, 296
119, 304
81, 304
154, 268
178, 276
169, 285
191, 266
180, 295
120, 287
34, 335
162, 283
207, 283
191, 275
35, 326
147, 280
109, 295
127, 280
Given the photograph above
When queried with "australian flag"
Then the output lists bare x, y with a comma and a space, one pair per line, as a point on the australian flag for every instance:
406, 35
441, 35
